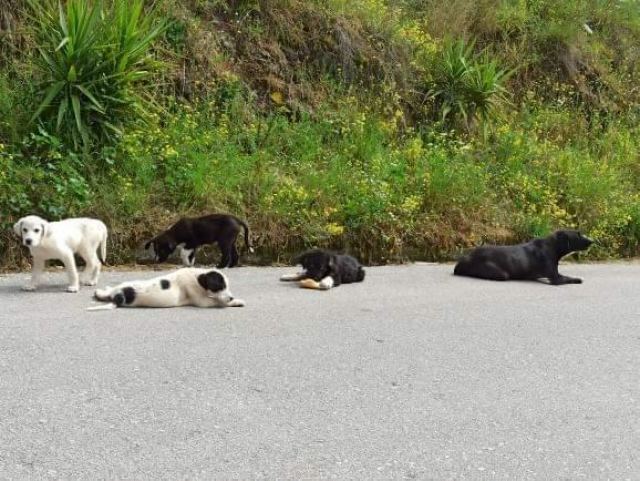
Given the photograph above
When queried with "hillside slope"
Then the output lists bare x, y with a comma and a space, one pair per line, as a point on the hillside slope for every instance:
394, 129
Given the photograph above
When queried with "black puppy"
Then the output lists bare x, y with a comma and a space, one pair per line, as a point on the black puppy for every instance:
533, 260
325, 269
191, 233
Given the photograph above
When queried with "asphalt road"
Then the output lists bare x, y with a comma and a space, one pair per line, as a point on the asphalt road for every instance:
414, 374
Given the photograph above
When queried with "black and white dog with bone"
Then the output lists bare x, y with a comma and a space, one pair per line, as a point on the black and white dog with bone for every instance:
323, 269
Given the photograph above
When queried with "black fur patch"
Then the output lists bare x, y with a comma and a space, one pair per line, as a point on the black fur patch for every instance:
212, 281
129, 294
165, 284
118, 299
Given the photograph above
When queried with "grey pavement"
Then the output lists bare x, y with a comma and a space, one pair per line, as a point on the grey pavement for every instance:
414, 374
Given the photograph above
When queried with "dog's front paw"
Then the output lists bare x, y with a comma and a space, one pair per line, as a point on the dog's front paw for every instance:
236, 303
29, 288
576, 280
89, 283
73, 288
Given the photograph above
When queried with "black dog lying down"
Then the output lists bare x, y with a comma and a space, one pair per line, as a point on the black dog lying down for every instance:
533, 260
189, 233
325, 269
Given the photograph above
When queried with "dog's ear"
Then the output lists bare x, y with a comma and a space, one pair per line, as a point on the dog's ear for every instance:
562, 239
45, 231
212, 281
331, 263
17, 228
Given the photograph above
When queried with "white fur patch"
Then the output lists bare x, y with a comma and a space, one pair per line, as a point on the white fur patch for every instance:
184, 255
326, 283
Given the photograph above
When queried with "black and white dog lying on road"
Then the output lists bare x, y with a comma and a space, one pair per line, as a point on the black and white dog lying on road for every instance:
189, 233
530, 261
185, 287
325, 269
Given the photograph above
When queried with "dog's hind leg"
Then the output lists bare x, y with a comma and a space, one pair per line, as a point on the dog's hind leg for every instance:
462, 267
234, 256
492, 272
226, 256
483, 270
103, 295
72, 271
92, 268
114, 297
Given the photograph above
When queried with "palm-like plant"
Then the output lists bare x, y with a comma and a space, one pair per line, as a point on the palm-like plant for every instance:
468, 86
485, 86
93, 63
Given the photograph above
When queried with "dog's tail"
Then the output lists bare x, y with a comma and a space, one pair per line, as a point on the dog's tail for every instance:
102, 254
247, 242
360, 275
103, 307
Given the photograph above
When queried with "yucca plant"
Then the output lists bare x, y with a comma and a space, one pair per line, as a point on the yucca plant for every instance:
451, 71
94, 63
468, 87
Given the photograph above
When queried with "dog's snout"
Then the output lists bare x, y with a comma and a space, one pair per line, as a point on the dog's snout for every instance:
27, 242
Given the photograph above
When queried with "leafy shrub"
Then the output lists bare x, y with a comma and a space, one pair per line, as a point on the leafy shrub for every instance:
467, 87
93, 63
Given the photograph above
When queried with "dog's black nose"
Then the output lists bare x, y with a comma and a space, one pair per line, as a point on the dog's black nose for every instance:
28, 242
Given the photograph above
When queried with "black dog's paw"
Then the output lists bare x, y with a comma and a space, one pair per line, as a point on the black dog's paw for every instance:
571, 280
563, 280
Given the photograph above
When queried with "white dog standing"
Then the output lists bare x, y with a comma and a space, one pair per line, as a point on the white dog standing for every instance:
61, 240
185, 287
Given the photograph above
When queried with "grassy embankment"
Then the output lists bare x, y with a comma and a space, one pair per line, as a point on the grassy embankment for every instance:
395, 130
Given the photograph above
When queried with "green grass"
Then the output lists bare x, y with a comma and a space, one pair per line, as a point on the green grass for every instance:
363, 125
347, 181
